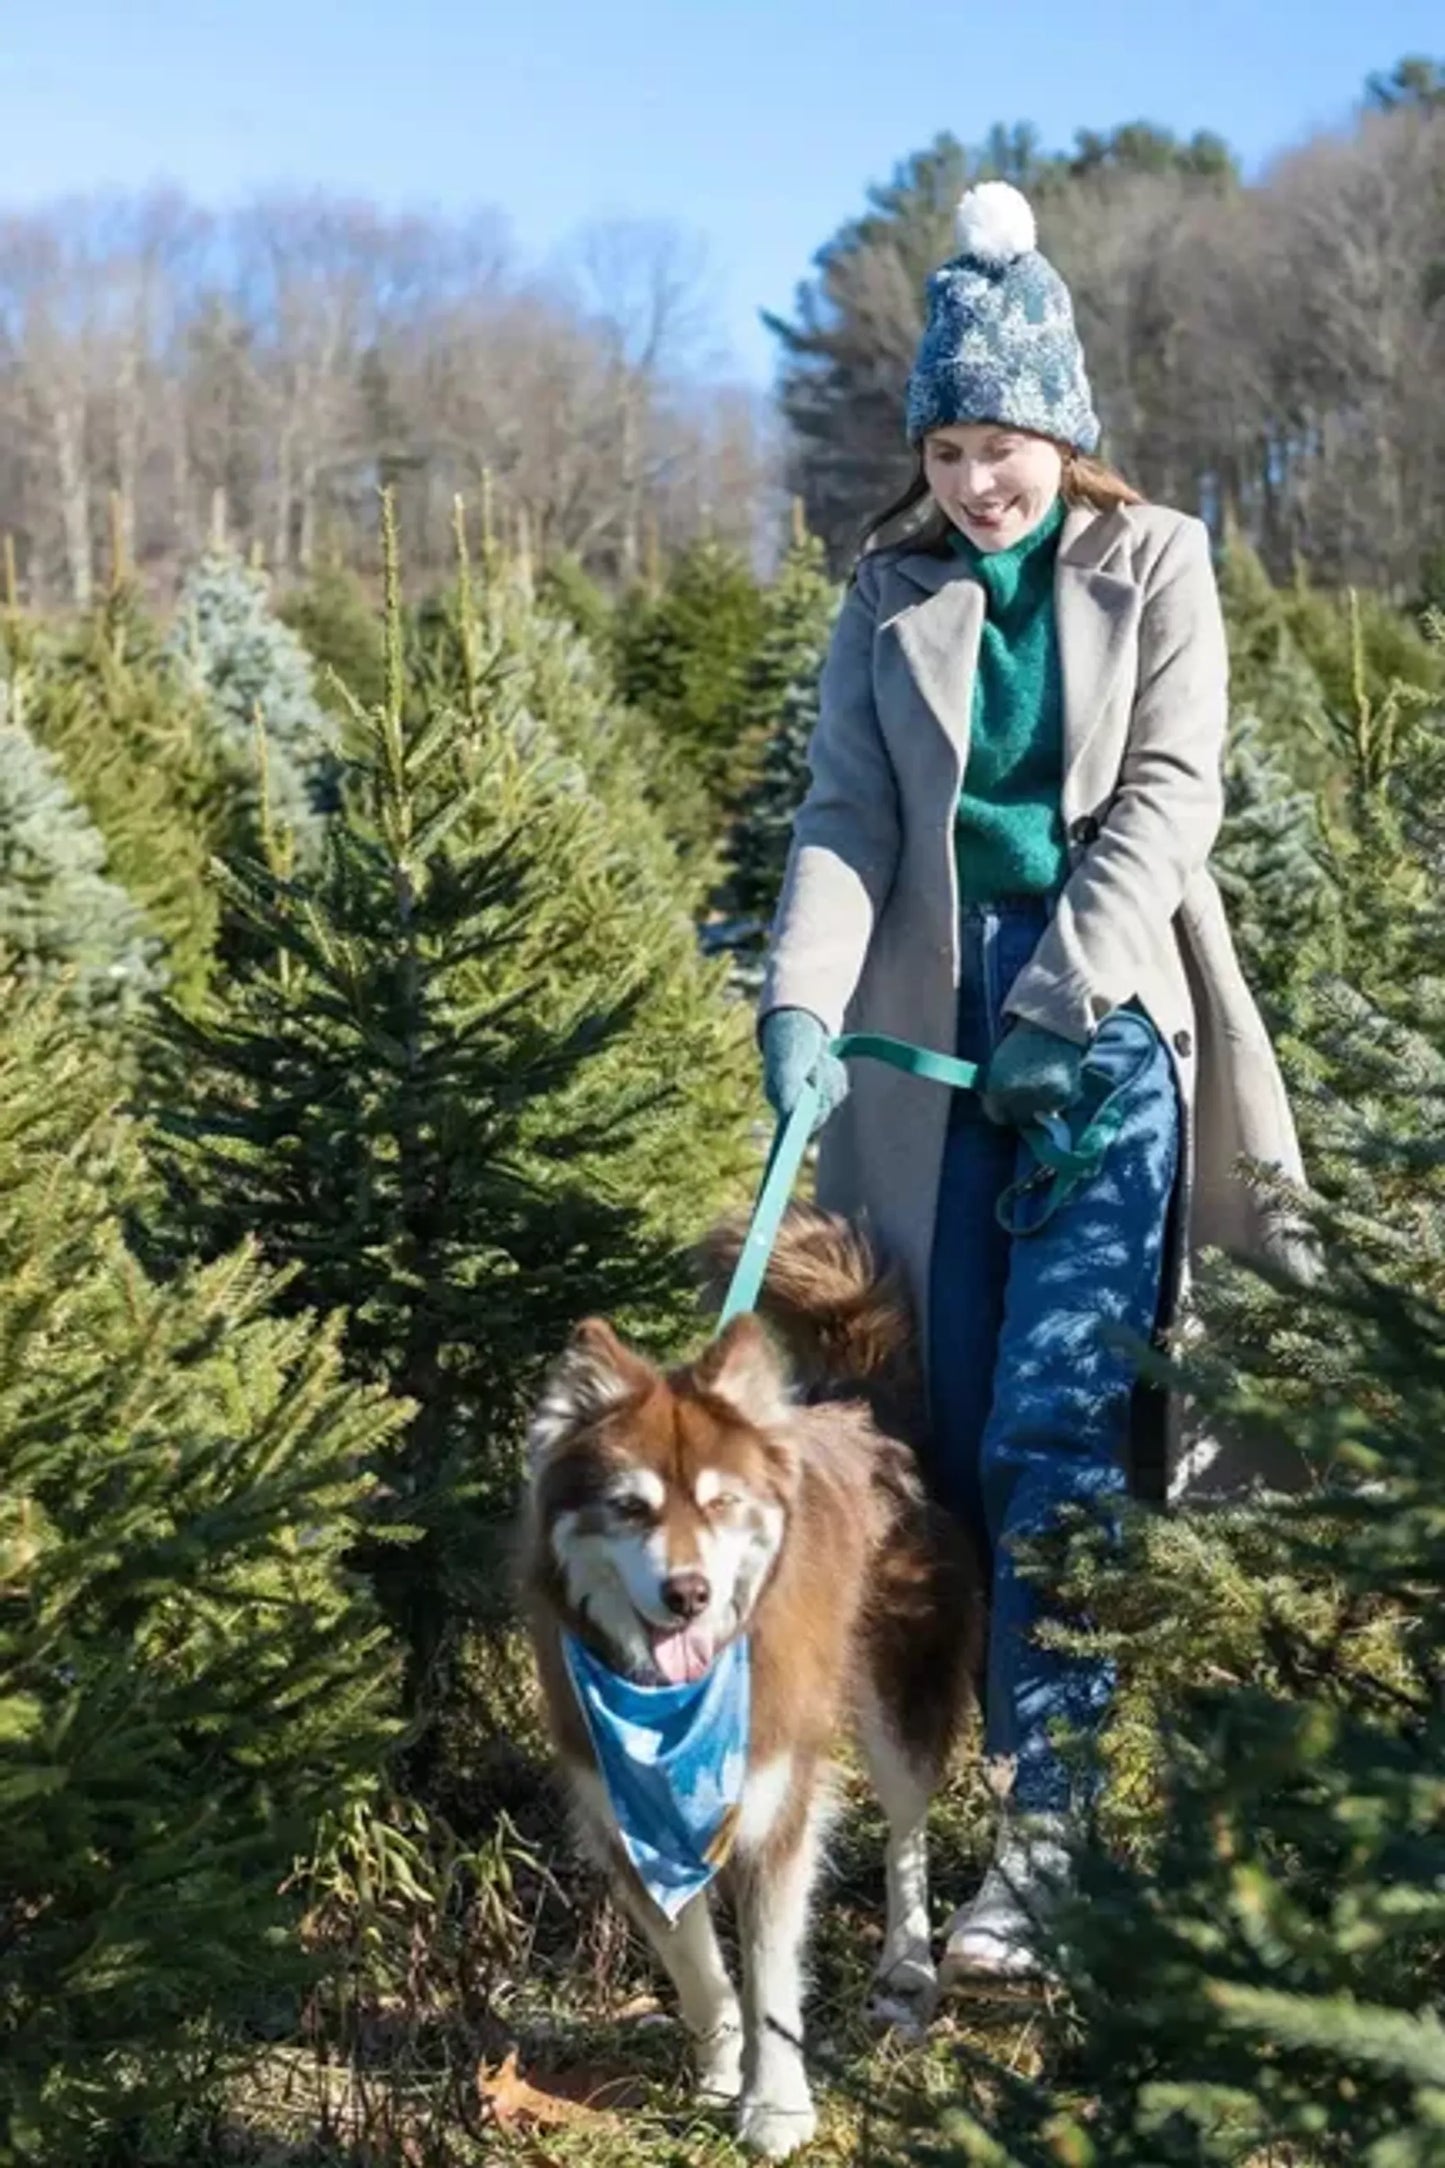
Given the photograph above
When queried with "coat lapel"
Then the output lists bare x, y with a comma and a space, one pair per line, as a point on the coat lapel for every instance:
1097, 608
939, 637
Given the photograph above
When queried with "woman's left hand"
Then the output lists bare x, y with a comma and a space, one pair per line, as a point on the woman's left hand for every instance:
1032, 1072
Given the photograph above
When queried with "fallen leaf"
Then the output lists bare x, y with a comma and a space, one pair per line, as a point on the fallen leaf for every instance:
513, 2099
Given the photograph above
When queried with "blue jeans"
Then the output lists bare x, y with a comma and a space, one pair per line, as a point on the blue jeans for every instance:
1030, 1403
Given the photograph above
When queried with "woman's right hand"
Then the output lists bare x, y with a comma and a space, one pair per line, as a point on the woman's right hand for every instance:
795, 1049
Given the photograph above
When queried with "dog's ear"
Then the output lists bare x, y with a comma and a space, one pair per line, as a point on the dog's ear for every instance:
594, 1374
743, 1367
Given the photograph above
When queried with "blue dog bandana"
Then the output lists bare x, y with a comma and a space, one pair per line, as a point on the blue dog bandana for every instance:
673, 1759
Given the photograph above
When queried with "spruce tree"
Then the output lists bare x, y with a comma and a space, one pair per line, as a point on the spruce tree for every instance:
1258, 1978
335, 619
780, 702
471, 1081
135, 751
61, 916
567, 590
257, 681
1358, 644
1270, 675
190, 1678
1269, 861
684, 657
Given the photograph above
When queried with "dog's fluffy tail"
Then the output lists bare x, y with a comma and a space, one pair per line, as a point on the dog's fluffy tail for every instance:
841, 1309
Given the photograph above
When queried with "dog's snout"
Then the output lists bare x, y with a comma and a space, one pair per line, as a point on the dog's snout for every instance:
686, 1594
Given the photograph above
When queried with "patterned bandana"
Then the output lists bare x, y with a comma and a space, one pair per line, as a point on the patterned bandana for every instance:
673, 1759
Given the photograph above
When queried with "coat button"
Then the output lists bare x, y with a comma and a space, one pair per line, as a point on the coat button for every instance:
1183, 1043
1084, 830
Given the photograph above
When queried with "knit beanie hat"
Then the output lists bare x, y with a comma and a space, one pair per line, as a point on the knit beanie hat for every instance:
1000, 344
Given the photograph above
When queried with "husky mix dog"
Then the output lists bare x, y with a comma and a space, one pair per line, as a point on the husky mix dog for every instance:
766, 1492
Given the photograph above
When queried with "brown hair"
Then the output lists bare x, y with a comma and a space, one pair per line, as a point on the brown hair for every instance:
917, 520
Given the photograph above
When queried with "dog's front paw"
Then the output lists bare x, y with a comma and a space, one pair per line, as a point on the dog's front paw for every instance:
719, 2056
903, 1996
777, 2128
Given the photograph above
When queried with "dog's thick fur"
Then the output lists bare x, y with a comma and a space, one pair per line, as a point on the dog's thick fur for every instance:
783, 1501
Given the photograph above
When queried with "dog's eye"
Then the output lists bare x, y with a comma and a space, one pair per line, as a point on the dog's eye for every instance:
635, 1511
726, 1501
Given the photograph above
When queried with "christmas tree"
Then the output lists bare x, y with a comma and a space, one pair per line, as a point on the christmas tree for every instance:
60, 913
1269, 861
135, 751
684, 656
471, 1081
335, 619
1270, 676
781, 703
259, 687
190, 1679
1257, 1979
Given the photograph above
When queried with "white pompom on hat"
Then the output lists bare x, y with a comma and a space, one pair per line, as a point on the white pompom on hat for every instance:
994, 223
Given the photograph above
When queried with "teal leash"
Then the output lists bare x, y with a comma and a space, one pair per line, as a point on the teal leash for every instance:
1062, 1161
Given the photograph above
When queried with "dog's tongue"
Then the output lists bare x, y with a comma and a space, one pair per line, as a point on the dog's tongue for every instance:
684, 1654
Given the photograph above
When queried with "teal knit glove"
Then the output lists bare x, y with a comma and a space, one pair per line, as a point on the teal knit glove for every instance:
1032, 1072
795, 1044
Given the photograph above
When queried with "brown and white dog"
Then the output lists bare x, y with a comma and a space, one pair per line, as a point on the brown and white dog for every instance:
739, 1494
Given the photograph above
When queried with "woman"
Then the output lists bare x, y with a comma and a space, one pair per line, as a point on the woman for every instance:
1015, 787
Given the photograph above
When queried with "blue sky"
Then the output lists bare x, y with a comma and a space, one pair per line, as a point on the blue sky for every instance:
756, 123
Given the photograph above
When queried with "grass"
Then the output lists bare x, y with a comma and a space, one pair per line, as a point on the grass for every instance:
450, 1959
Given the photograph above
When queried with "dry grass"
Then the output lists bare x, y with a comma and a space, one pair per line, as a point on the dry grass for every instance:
452, 1961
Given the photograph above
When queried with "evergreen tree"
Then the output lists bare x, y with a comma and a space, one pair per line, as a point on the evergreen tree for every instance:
781, 703
566, 698
567, 590
1260, 1979
1269, 862
257, 680
135, 752
333, 615
60, 914
474, 1083
1359, 646
684, 657
190, 1680
1270, 675
846, 351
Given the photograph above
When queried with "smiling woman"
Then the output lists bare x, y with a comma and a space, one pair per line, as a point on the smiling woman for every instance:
1015, 786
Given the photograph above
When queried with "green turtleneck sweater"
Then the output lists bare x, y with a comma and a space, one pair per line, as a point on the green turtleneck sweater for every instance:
1010, 831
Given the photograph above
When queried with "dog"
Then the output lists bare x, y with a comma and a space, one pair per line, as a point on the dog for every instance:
765, 1496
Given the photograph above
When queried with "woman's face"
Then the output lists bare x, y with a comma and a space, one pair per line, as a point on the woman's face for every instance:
994, 484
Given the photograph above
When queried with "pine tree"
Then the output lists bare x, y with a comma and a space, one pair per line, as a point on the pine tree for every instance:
474, 1082
60, 914
135, 752
684, 657
257, 680
190, 1679
781, 703
1259, 1979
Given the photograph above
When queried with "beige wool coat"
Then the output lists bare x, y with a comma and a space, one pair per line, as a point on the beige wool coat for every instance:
867, 929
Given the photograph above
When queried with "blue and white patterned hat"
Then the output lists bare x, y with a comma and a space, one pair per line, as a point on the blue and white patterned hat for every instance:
1000, 345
